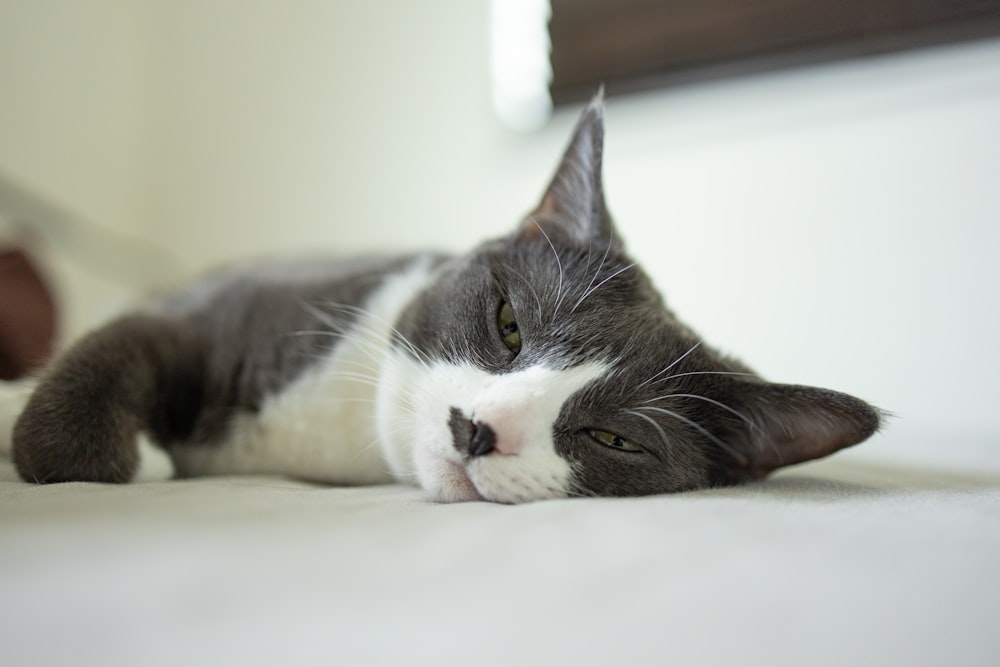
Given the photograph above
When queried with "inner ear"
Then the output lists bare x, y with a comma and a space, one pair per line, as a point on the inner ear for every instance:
572, 208
788, 424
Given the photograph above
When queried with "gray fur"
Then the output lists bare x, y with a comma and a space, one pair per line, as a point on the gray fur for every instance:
185, 366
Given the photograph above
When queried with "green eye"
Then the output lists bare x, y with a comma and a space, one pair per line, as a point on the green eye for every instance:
613, 441
508, 328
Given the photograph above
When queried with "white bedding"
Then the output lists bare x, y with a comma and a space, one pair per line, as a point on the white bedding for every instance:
885, 555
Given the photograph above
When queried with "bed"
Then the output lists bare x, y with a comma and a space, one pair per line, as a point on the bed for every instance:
882, 555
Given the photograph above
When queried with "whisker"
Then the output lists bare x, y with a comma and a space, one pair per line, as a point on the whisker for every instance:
407, 407
725, 407
659, 429
701, 429
559, 288
538, 301
322, 354
360, 378
672, 364
680, 375
590, 252
360, 314
600, 266
596, 287
371, 445
365, 347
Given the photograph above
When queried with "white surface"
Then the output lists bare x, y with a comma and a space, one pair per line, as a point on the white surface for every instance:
862, 559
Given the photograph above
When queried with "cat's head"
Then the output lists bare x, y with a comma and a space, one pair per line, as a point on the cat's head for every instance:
545, 365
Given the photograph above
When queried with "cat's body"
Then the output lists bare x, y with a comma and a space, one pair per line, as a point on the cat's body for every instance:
539, 365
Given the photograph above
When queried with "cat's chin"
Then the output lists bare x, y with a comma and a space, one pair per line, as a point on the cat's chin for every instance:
451, 484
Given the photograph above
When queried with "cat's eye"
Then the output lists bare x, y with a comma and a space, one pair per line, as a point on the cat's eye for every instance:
613, 441
509, 331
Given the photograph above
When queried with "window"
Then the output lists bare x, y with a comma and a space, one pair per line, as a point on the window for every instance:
632, 45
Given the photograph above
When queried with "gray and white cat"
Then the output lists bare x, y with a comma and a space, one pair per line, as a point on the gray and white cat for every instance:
539, 365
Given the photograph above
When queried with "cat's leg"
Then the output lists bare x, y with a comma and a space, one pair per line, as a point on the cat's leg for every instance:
98, 413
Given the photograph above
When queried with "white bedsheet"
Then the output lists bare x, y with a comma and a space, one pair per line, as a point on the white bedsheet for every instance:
885, 555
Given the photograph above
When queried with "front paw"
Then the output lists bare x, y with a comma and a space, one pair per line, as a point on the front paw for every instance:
61, 438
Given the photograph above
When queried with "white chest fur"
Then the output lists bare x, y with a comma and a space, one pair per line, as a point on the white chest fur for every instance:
322, 425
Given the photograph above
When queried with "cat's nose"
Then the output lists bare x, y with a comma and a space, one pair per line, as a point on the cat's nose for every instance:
483, 440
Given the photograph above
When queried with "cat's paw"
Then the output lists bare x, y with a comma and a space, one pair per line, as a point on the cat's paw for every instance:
74, 436
151, 464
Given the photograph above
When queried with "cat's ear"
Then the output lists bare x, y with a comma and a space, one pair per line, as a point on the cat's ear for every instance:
573, 208
785, 424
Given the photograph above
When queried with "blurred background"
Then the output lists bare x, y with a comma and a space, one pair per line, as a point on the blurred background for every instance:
835, 222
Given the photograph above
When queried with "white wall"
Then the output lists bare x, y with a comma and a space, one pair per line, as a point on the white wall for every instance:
835, 225
287, 125
832, 225
74, 90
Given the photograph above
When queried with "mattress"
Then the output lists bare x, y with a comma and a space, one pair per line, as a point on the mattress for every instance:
882, 555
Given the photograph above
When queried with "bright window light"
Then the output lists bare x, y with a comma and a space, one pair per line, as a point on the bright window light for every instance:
519, 60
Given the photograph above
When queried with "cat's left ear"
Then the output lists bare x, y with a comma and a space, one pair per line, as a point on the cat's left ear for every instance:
785, 424
573, 208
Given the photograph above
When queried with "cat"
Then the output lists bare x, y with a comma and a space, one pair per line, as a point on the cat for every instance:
540, 365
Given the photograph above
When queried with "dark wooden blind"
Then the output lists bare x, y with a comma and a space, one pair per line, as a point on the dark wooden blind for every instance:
637, 44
